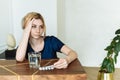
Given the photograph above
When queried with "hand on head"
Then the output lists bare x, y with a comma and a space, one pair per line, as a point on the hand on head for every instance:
29, 25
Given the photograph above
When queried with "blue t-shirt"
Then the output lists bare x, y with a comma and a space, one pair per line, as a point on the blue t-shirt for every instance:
51, 46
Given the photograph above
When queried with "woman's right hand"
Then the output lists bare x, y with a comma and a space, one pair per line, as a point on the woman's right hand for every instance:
21, 50
28, 27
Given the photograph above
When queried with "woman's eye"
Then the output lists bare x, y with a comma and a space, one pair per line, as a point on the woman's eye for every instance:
33, 26
41, 26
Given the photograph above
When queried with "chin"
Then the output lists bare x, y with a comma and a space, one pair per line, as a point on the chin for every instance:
37, 37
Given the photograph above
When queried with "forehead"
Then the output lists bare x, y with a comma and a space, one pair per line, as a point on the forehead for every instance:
37, 22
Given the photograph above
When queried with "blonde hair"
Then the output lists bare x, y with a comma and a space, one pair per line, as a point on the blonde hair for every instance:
30, 16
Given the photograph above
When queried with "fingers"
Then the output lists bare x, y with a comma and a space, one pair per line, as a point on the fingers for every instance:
27, 29
29, 25
61, 63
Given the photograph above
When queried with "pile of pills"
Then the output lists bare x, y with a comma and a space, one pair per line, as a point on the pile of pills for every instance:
51, 67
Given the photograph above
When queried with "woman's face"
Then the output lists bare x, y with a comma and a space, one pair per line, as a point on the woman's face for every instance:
37, 29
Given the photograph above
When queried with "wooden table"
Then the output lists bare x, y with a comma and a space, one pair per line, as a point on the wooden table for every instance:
12, 70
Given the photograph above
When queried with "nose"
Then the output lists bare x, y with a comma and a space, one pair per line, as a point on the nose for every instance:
38, 29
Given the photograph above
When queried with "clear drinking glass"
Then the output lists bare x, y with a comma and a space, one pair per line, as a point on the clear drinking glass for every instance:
34, 59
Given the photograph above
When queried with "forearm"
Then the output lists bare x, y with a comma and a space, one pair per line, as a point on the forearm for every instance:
21, 51
72, 55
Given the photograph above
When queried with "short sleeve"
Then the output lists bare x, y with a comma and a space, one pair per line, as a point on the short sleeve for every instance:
56, 44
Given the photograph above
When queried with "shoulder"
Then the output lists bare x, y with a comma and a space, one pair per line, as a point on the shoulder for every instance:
51, 38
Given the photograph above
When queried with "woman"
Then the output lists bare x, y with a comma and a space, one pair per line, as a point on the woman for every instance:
34, 40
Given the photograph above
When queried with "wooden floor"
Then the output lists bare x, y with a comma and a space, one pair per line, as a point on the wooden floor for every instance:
93, 71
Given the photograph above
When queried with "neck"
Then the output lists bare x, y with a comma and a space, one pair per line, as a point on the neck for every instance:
35, 41
37, 44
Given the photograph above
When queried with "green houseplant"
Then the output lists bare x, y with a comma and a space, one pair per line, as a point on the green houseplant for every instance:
113, 49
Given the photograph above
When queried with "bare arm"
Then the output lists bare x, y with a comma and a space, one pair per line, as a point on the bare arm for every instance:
70, 56
21, 51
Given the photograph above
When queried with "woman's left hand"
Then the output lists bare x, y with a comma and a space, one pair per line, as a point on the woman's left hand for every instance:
61, 63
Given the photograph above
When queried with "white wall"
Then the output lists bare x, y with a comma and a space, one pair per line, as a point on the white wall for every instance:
48, 8
5, 22
61, 19
90, 26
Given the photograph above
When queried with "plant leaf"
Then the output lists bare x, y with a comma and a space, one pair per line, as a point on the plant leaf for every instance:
117, 31
108, 48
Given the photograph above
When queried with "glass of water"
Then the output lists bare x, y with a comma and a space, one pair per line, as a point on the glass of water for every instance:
34, 59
